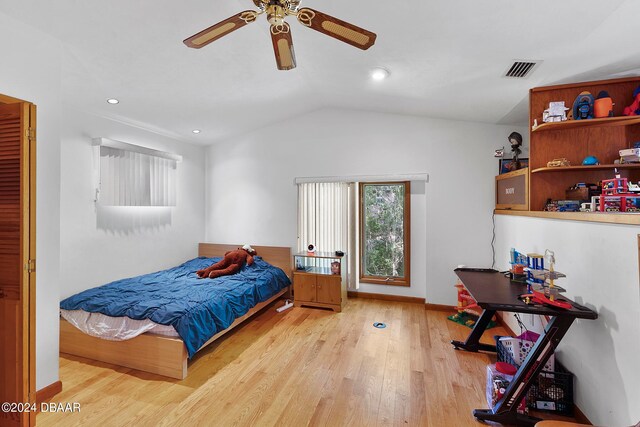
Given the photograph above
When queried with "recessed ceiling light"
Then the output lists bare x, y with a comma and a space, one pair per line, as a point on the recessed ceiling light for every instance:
379, 74
196, 131
112, 101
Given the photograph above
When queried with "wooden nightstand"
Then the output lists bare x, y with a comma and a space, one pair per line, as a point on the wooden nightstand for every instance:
319, 281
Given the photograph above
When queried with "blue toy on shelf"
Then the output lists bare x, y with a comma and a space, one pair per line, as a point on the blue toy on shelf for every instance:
583, 106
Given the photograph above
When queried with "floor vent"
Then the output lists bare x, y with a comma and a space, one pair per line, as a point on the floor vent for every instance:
521, 69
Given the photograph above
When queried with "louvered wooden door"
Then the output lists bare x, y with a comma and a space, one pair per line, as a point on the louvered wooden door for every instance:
16, 260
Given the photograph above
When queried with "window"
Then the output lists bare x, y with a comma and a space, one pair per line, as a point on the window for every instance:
384, 233
130, 175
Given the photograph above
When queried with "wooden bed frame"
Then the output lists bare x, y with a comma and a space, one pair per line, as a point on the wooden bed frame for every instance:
155, 353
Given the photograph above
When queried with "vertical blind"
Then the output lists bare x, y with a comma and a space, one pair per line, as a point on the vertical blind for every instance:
325, 213
130, 177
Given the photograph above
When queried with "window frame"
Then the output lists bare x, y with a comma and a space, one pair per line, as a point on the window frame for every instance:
378, 280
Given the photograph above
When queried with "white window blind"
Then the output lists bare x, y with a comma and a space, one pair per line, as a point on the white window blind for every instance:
130, 175
326, 220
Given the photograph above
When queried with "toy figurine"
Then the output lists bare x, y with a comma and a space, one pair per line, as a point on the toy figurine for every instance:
603, 106
515, 139
583, 106
633, 109
556, 112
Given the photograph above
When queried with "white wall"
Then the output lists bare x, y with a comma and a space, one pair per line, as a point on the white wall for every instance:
102, 244
31, 71
601, 264
89, 252
251, 196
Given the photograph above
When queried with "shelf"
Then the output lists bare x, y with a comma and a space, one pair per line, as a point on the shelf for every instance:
322, 271
587, 168
572, 124
327, 255
611, 218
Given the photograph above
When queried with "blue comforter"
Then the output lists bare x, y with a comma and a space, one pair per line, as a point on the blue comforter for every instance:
197, 308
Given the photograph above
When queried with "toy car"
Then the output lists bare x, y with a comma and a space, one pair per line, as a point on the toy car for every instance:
633, 188
558, 162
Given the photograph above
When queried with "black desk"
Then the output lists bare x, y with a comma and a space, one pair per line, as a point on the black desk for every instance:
495, 292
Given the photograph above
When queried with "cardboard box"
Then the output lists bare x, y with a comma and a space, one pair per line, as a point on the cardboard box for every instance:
577, 194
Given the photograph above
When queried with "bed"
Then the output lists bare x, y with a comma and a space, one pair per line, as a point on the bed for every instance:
166, 355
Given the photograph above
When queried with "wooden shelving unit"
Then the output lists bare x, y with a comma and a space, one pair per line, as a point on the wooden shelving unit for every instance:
609, 167
619, 218
577, 139
570, 124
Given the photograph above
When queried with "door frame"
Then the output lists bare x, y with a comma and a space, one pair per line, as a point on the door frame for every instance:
28, 241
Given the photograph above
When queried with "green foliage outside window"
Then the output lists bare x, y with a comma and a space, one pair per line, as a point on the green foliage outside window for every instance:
383, 252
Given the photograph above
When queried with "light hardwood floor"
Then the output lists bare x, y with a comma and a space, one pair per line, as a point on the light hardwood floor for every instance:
301, 367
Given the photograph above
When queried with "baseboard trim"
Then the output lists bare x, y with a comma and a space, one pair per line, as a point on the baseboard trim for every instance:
46, 393
439, 307
385, 297
580, 416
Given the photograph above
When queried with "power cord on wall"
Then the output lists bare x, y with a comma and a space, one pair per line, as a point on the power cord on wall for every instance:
521, 324
493, 241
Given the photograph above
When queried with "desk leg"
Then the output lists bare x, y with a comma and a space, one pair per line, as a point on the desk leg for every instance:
505, 411
473, 340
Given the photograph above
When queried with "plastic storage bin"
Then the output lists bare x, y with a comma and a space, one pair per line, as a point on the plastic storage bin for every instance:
499, 376
552, 391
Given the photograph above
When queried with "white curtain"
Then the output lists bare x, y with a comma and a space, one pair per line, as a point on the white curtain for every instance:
326, 220
129, 178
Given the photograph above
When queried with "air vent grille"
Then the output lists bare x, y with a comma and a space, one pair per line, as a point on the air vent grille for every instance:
521, 69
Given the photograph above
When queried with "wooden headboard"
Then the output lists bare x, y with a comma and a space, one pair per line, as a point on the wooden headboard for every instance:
274, 255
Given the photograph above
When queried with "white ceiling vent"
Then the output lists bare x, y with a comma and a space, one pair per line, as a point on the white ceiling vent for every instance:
521, 69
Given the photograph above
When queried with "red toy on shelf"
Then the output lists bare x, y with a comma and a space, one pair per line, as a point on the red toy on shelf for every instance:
633, 109
543, 293
468, 309
616, 196
466, 303
540, 297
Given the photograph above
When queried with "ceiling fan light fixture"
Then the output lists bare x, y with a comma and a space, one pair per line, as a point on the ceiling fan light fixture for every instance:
379, 74
276, 12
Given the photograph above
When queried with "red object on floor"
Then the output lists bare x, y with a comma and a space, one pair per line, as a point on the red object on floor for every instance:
506, 368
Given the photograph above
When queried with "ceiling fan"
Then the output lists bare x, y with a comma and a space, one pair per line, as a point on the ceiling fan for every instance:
277, 11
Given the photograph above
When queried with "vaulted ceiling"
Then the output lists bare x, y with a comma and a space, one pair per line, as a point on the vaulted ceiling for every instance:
446, 58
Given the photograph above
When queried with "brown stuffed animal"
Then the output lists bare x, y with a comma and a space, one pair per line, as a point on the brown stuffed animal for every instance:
230, 264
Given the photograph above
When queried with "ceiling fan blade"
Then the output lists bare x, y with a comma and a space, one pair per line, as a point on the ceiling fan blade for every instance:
221, 29
283, 46
336, 28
